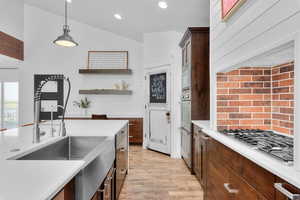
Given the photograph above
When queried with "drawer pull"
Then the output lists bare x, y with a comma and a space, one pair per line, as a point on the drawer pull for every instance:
229, 190
287, 193
130, 136
122, 149
205, 137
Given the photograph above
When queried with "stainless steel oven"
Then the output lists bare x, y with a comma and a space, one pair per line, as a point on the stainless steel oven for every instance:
186, 110
186, 77
186, 136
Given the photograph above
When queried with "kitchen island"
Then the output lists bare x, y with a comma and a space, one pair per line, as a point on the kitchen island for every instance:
43, 179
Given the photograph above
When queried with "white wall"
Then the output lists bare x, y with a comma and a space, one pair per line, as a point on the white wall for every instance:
162, 49
11, 17
257, 27
42, 56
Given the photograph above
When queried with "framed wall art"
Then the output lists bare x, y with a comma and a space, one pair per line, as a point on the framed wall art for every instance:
229, 7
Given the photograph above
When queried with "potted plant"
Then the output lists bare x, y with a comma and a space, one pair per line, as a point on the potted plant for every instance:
84, 104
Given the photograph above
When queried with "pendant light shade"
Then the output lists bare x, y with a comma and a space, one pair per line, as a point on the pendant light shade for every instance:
65, 39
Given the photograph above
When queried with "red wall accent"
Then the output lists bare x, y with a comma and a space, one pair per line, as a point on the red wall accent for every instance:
257, 97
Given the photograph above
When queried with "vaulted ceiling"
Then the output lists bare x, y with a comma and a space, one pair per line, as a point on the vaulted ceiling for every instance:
139, 16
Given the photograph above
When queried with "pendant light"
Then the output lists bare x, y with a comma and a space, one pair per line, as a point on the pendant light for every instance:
65, 39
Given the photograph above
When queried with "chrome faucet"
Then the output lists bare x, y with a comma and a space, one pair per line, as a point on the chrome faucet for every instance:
37, 107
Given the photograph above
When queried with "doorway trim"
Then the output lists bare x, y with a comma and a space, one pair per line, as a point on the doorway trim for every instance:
148, 71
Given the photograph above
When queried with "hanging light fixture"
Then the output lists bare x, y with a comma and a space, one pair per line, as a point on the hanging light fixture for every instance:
65, 39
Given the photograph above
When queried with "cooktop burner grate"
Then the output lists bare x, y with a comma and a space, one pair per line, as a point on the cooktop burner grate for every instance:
278, 146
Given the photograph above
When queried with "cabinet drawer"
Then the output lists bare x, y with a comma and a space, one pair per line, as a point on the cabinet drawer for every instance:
259, 178
231, 159
225, 156
243, 189
215, 184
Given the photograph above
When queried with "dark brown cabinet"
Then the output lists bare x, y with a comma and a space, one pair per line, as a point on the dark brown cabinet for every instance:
200, 156
195, 85
227, 175
67, 193
121, 159
135, 130
107, 188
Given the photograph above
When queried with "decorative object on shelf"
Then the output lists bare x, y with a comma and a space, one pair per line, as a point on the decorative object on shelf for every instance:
65, 39
107, 60
117, 86
84, 104
125, 85
106, 92
229, 7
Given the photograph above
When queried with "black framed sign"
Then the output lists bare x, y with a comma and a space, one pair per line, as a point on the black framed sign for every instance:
158, 88
52, 95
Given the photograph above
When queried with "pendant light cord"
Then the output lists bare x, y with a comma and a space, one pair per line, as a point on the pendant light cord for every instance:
66, 13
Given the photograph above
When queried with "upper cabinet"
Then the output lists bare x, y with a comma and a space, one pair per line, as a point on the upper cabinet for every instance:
11, 47
11, 30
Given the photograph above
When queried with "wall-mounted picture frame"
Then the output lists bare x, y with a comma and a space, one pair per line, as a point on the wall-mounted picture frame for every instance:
107, 60
158, 88
229, 7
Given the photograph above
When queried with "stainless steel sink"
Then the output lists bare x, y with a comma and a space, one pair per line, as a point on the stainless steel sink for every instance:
97, 152
69, 148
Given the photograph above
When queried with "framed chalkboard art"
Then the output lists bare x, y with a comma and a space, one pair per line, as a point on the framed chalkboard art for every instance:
158, 88
229, 7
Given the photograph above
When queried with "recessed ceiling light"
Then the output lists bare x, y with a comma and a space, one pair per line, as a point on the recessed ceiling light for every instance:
69, 1
118, 16
163, 4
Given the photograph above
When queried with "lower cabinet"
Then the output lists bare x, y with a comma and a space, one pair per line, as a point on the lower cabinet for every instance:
121, 159
226, 175
135, 130
67, 193
200, 156
107, 188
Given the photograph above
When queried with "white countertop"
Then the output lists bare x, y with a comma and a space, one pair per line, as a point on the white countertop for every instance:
288, 173
39, 180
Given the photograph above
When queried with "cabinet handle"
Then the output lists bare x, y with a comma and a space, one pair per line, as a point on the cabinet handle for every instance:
280, 188
112, 176
205, 137
229, 190
122, 149
130, 136
131, 124
101, 191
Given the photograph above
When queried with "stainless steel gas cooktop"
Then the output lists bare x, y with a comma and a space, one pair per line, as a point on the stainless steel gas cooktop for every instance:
278, 146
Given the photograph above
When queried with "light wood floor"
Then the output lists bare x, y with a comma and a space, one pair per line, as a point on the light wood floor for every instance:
154, 176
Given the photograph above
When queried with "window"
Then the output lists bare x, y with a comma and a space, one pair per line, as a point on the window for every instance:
9, 99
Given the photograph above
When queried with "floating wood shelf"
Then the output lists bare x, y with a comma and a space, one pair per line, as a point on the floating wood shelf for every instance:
105, 71
106, 92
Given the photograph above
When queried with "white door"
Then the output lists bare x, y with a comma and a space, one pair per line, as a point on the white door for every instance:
158, 110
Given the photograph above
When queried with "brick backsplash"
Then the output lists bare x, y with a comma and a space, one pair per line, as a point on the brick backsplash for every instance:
257, 97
